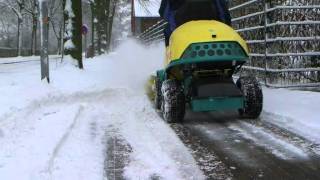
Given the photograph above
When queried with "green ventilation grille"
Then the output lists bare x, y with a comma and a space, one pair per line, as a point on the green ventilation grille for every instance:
214, 50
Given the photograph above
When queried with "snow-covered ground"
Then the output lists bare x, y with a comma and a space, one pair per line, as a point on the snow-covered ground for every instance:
61, 130
296, 111
22, 59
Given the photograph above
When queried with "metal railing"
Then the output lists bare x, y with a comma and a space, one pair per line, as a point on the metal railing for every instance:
284, 40
153, 33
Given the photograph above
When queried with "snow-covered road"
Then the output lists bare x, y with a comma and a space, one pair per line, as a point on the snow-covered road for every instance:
63, 130
98, 123
66, 138
246, 149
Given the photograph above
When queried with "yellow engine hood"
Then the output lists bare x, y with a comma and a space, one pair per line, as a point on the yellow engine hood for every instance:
200, 31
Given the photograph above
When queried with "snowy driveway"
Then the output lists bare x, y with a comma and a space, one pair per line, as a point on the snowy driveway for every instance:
66, 138
97, 123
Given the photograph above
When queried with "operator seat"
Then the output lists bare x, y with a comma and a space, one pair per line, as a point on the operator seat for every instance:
196, 10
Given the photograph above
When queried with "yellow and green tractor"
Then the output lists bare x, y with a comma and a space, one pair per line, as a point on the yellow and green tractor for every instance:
201, 59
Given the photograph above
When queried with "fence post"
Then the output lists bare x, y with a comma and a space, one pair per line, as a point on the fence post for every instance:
44, 41
265, 41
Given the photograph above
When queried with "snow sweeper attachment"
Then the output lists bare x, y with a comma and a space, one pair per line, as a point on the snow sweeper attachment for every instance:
201, 58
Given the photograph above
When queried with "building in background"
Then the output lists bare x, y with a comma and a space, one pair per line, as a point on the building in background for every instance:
143, 15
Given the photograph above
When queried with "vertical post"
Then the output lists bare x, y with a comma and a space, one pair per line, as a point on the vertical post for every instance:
84, 32
19, 37
85, 45
92, 27
44, 40
265, 41
133, 19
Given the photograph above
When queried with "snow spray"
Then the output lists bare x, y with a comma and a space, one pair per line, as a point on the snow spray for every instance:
133, 63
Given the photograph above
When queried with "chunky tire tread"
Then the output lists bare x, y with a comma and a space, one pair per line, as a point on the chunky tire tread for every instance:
173, 104
253, 96
158, 94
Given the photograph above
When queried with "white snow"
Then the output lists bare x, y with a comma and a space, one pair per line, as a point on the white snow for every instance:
273, 143
68, 32
297, 111
23, 59
69, 44
60, 130
146, 8
68, 8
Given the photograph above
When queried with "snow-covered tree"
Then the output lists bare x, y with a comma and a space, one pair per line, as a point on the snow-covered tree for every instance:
122, 21
20, 29
17, 6
73, 44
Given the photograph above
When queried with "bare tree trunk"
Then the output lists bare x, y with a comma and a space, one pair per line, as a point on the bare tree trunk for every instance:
110, 27
59, 41
62, 40
44, 41
77, 34
34, 14
21, 5
99, 47
19, 37
34, 34
32, 40
92, 27
99, 24
107, 22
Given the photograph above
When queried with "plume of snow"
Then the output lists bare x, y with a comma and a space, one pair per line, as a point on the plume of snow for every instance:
132, 64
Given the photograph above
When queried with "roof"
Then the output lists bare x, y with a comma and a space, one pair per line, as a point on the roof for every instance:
146, 8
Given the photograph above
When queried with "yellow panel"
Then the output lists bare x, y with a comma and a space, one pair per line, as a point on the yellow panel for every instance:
197, 32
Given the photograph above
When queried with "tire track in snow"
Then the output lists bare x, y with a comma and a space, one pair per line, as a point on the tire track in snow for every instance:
15, 114
207, 160
57, 98
63, 139
117, 157
271, 142
157, 153
119, 97
308, 146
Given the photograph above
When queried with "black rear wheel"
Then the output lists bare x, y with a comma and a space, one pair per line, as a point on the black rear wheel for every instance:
173, 104
158, 94
253, 97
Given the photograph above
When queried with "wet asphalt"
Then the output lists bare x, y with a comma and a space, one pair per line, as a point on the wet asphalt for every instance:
247, 149
226, 147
